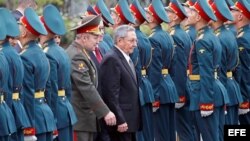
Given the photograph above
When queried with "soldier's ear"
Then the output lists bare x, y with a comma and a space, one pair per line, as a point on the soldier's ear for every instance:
198, 17
118, 20
240, 17
23, 33
175, 17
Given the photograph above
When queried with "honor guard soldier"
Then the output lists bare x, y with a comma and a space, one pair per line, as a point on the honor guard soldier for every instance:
14, 89
178, 69
108, 21
144, 59
7, 126
58, 89
229, 60
207, 95
241, 13
36, 73
86, 100
228, 63
164, 90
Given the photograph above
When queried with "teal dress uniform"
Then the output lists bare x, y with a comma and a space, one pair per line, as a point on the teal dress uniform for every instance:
243, 72
7, 120
14, 84
142, 59
206, 91
58, 87
163, 86
178, 72
146, 97
15, 90
36, 73
229, 62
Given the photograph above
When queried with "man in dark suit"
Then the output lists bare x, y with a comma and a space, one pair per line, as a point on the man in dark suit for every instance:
119, 85
86, 100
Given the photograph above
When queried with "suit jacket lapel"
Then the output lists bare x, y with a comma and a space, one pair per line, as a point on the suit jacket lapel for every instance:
125, 63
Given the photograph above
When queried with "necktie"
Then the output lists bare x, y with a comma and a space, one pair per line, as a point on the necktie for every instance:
98, 54
131, 64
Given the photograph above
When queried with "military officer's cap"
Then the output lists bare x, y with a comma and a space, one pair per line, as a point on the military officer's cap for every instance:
157, 10
52, 20
12, 28
32, 22
123, 11
90, 11
243, 6
176, 7
101, 8
2, 28
138, 11
89, 24
203, 8
221, 10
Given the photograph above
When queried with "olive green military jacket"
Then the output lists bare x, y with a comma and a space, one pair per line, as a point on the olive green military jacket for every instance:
86, 100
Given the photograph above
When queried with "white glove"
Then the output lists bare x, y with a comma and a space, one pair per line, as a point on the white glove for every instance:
206, 113
155, 109
54, 136
30, 138
243, 111
179, 105
156, 105
225, 112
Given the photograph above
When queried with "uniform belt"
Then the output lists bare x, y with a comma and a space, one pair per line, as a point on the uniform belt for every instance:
39, 94
164, 71
143, 72
229, 74
194, 77
15, 96
1, 98
61, 92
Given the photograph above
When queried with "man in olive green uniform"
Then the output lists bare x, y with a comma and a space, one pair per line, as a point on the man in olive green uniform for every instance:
86, 100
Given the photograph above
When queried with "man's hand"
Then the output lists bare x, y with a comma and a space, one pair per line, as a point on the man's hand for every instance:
122, 127
110, 119
206, 113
